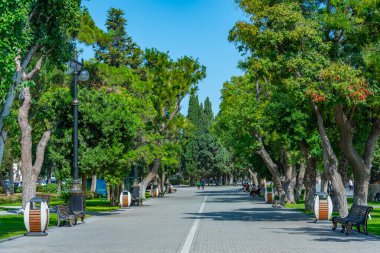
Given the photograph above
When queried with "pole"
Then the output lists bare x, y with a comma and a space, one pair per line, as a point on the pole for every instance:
77, 199
75, 115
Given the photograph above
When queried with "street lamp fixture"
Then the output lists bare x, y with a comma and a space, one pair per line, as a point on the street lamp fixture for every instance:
74, 66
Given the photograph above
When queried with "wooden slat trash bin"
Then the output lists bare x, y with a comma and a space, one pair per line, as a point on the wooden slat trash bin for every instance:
154, 191
125, 199
36, 217
269, 195
323, 206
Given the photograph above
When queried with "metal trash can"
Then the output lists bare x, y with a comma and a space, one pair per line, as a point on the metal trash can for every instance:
125, 199
323, 206
36, 217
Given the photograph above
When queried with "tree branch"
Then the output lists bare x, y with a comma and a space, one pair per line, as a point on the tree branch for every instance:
258, 90
328, 152
172, 115
40, 152
371, 142
36, 68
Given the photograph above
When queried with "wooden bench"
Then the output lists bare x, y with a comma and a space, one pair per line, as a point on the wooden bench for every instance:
357, 217
64, 214
45, 197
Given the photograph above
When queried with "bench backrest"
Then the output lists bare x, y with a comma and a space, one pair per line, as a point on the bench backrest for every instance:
63, 210
45, 197
359, 213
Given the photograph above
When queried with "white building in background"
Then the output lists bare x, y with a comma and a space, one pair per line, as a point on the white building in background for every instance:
17, 177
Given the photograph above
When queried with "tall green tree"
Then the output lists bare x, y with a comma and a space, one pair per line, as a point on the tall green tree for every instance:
119, 49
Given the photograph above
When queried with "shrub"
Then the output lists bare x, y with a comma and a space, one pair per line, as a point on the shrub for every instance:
11, 199
90, 195
18, 189
65, 196
174, 181
185, 181
39, 188
50, 188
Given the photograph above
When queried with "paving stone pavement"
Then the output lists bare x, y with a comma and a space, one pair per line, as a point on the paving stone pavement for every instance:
230, 222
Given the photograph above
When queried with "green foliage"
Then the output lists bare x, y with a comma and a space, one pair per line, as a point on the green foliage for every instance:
10, 199
203, 155
297, 52
14, 37
120, 50
50, 188
39, 188
65, 196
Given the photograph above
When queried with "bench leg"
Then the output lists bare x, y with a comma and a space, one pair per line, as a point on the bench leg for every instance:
365, 229
348, 230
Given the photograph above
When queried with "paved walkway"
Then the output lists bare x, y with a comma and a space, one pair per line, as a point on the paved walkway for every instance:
227, 220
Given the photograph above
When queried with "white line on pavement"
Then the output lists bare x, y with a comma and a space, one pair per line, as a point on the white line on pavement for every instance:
190, 236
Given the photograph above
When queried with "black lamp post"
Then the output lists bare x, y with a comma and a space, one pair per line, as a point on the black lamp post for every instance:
76, 199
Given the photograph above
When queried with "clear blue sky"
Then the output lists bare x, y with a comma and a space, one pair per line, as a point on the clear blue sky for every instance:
197, 28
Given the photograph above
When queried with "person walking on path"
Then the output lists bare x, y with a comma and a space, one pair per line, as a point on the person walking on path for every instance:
199, 184
350, 184
203, 184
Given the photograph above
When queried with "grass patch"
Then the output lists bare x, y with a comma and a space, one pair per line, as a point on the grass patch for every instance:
12, 225
97, 205
373, 224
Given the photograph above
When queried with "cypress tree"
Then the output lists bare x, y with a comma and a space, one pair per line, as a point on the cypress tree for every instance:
208, 114
121, 50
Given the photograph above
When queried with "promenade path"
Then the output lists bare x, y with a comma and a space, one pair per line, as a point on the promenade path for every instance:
219, 219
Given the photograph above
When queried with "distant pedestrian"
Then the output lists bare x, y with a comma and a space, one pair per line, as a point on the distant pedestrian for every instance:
203, 184
199, 184
350, 184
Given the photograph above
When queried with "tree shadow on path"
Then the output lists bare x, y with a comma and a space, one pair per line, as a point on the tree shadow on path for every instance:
325, 234
251, 214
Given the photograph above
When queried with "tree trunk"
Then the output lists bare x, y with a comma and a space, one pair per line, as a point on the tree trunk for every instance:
150, 176
163, 178
324, 182
290, 182
343, 169
330, 163
108, 186
11, 180
5, 111
59, 186
300, 180
29, 171
274, 171
84, 189
231, 181
310, 179
361, 164
253, 177
93, 183
48, 176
